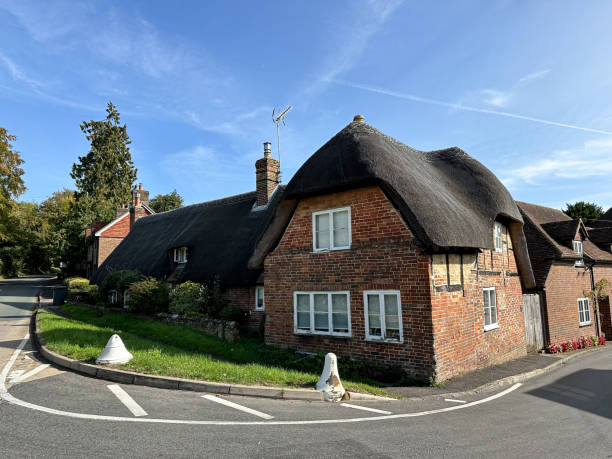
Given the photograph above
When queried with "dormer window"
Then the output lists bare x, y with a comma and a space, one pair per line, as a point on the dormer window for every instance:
331, 229
180, 255
577, 246
497, 236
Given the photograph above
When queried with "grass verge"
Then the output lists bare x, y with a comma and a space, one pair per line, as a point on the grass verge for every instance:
171, 350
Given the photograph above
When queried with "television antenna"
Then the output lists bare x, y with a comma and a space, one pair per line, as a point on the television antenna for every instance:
278, 119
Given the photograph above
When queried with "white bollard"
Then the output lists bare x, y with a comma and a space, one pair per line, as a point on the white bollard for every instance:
329, 383
114, 352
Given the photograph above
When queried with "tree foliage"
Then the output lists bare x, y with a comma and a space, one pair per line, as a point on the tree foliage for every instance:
105, 175
587, 211
165, 202
11, 182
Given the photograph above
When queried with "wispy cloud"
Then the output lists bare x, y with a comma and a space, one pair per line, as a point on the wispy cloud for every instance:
360, 30
17, 73
534, 76
495, 97
458, 106
589, 160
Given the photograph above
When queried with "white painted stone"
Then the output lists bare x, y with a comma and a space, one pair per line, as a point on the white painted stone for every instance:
114, 352
329, 383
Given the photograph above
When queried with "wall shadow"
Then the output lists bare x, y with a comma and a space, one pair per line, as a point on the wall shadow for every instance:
587, 390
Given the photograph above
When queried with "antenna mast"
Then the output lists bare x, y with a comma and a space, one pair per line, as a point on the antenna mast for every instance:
280, 118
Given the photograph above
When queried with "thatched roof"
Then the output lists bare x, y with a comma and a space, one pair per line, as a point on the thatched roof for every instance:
549, 234
219, 235
448, 199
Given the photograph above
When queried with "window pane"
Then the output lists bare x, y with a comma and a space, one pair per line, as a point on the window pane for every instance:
374, 315
486, 298
341, 233
340, 322
303, 303
487, 316
303, 311
303, 320
339, 303
494, 315
581, 315
391, 305
391, 316
321, 319
492, 299
322, 231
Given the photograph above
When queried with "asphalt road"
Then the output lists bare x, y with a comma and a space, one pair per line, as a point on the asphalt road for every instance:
53, 413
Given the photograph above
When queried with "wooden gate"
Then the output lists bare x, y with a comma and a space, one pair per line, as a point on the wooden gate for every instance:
534, 332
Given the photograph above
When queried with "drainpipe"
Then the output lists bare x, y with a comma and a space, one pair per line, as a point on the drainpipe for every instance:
596, 305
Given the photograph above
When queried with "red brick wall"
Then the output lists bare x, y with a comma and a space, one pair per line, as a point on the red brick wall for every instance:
105, 246
460, 340
605, 312
564, 285
243, 298
381, 257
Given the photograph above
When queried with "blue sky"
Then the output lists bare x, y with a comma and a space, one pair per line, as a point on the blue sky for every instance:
524, 87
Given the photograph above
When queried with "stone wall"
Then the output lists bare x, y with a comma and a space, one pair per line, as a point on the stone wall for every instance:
223, 329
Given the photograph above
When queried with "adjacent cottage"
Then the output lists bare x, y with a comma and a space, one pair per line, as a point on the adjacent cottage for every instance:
206, 242
600, 231
406, 259
567, 265
103, 237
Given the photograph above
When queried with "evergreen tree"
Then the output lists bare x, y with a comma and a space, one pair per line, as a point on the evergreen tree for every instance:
587, 211
166, 202
104, 177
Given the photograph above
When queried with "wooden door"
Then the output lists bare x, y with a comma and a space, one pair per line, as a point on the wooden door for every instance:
534, 332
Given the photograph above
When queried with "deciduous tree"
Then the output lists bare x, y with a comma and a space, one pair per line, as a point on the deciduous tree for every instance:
587, 211
165, 202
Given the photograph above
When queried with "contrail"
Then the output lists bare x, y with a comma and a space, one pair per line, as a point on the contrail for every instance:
425, 100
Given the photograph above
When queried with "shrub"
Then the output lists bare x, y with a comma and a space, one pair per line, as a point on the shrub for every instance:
148, 296
119, 281
188, 298
232, 313
12, 259
77, 284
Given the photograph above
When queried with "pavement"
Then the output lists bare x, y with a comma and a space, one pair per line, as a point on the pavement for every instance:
561, 413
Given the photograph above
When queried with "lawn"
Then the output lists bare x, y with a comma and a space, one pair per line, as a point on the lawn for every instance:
171, 350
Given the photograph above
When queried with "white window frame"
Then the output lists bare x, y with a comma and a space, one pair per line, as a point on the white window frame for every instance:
586, 311
492, 325
312, 330
383, 328
180, 255
258, 289
578, 247
331, 212
497, 237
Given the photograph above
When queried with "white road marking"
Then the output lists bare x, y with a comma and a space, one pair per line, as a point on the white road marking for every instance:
4, 395
10, 363
222, 401
365, 408
128, 401
31, 373
454, 400
14, 375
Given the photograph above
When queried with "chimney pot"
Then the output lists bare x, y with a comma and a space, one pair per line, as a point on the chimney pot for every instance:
140, 186
359, 119
267, 149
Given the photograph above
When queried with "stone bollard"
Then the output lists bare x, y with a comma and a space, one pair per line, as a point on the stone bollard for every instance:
114, 352
329, 383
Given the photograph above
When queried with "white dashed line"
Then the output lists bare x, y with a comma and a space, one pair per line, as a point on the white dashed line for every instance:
365, 408
454, 400
222, 401
31, 373
128, 401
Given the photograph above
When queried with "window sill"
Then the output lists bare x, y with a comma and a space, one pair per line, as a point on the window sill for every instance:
259, 309
385, 341
322, 335
585, 324
491, 327
331, 250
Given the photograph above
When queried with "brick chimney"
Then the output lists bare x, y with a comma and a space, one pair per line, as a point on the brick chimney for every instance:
267, 171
